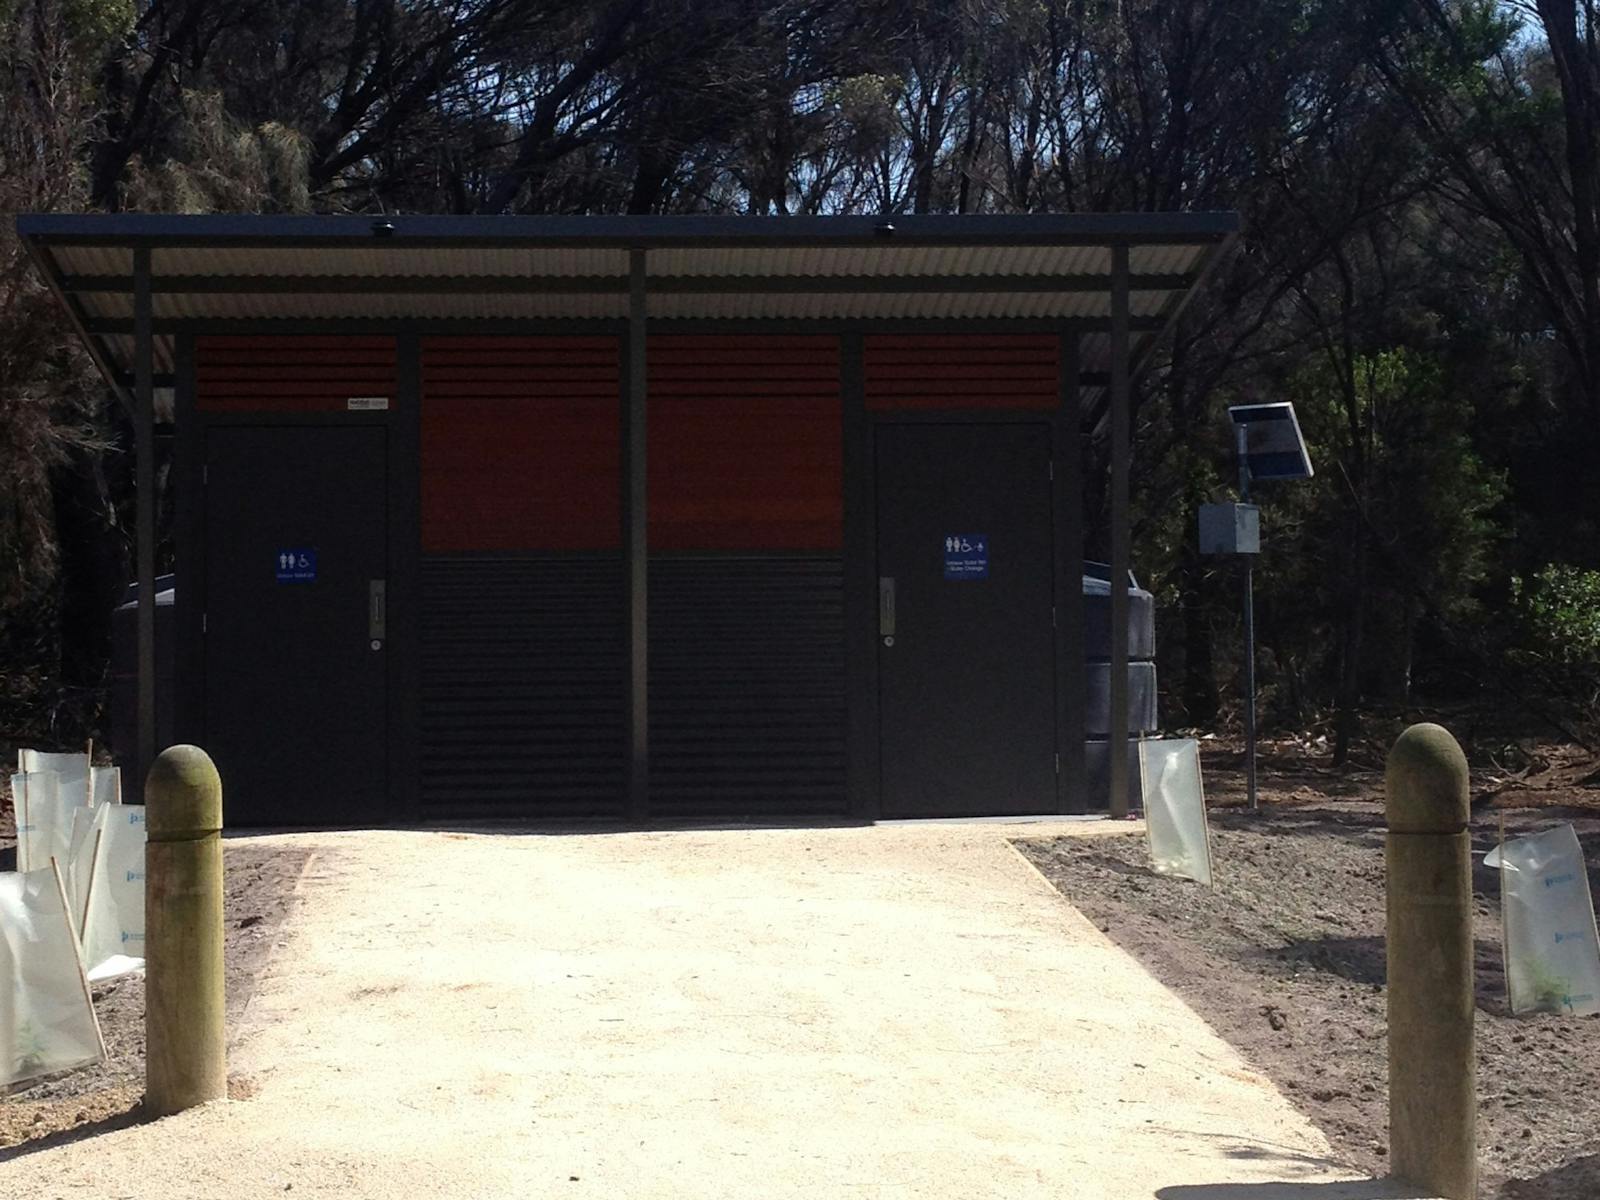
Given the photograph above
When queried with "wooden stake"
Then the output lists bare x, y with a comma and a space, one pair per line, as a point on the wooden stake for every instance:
88, 894
23, 862
83, 974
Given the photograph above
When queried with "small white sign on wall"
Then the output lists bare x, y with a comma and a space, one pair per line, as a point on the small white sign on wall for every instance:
367, 404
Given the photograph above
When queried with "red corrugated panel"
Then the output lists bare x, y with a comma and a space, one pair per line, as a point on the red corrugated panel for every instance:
745, 443
278, 374
521, 443
961, 371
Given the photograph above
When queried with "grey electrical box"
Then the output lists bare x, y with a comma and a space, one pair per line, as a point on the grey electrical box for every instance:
1230, 529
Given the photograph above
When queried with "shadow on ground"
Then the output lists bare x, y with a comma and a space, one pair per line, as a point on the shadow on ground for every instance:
1360, 1189
120, 1120
1580, 1177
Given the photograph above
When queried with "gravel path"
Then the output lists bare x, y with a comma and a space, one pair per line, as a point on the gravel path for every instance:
893, 1011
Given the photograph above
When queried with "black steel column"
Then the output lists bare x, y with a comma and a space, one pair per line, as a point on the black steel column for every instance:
1072, 686
1120, 452
188, 541
404, 589
635, 545
860, 584
144, 441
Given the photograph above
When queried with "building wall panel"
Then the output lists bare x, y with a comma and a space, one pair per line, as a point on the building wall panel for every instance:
521, 444
283, 374
745, 444
962, 371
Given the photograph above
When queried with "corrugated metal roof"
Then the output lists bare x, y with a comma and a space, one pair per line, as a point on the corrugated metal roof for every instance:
882, 261
288, 306
933, 304
223, 271
1163, 260
94, 260
404, 261
498, 262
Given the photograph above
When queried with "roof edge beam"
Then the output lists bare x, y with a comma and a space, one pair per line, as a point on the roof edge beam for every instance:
620, 233
340, 326
200, 285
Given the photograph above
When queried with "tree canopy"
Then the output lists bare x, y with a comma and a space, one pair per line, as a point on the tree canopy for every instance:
1419, 182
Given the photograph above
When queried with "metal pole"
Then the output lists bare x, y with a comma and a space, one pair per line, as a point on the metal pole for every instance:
1072, 688
635, 545
1249, 637
1117, 739
185, 1043
1250, 680
144, 441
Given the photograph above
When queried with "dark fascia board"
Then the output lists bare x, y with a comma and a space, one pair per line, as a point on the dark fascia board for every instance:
616, 284
624, 232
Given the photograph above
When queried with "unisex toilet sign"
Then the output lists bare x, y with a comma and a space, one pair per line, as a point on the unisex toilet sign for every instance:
297, 564
966, 556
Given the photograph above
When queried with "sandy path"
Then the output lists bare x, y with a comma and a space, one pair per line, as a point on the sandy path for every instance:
880, 1012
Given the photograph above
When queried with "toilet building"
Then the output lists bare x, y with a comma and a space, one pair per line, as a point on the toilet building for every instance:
642, 519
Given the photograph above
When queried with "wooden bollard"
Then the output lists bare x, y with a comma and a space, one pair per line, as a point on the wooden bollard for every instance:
185, 1061
1433, 1105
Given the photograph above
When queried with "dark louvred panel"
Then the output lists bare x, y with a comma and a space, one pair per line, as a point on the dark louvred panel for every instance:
280, 374
522, 686
961, 371
747, 688
521, 443
745, 443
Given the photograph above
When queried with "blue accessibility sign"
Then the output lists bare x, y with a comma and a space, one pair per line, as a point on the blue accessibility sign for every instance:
297, 565
966, 556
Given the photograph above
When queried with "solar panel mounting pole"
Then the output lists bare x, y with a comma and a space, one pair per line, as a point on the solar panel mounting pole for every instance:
1249, 633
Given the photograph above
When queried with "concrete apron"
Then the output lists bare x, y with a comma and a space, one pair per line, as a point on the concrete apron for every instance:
890, 1011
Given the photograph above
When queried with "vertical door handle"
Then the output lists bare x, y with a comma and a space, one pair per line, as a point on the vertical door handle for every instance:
886, 609
377, 613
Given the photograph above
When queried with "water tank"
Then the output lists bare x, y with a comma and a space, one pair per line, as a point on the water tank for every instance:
1141, 680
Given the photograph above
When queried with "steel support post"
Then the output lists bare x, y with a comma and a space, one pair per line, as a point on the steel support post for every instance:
1120, 549
144, 440
636, 547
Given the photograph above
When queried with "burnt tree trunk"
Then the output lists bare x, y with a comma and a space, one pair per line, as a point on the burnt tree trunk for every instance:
93, 566
1353, 635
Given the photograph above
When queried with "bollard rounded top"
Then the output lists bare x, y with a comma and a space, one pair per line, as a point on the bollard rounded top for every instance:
182, 795
1425, 782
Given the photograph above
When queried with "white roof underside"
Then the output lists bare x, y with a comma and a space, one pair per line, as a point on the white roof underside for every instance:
468, 262
213, 274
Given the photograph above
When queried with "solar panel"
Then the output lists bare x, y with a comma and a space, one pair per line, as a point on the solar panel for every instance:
1272, 446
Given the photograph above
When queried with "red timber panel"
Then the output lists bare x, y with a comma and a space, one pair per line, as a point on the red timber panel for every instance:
281, 374
745, 443
521, 443
920, 371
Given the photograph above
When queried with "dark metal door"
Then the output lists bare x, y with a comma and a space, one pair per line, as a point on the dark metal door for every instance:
295, 641
965, 644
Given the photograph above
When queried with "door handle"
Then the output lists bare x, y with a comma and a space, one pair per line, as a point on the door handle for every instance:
377, 612
886, 609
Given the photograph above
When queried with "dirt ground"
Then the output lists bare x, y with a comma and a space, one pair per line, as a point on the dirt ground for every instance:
259, 892
1285, 956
